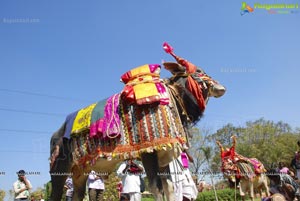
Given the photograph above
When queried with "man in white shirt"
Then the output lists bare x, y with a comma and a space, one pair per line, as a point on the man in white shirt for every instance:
22, 187
130, 173
96, 186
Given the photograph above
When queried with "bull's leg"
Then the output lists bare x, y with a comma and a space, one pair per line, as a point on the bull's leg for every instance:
266, 186
251, 191
59, 171
57, 182
79, 183
242, 194
261, 193
168, 189
167, 183
150, 164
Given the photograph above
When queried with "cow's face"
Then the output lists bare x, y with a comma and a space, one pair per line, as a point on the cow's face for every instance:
213, 87
207, 85
229, 170
183, 68
230, 175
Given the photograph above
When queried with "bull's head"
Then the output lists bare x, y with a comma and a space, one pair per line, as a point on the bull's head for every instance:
230, 171
200, 85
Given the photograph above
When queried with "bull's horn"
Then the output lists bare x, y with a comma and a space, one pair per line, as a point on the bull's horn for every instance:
190, 68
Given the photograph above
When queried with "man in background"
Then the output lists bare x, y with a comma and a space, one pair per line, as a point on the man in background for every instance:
69, 187
130, 173
96, 187
22, 187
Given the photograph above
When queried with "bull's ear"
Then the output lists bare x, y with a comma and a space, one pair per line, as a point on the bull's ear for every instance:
174, 67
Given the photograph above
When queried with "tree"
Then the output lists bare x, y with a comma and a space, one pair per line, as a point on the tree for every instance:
223, 136
2, 195
38, 192
11, 195
198, 140
268, 141
48, 190
208, 154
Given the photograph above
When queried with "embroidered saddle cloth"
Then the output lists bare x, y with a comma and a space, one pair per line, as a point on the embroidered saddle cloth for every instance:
115, 128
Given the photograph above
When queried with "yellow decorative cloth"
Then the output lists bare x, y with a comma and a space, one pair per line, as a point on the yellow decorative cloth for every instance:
143, 84
83, 119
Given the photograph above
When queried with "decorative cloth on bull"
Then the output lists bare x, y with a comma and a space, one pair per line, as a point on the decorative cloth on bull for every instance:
100, 120
256, 166
69, 124
109, 125
142, 129
84, 120
116, 128
143, 86
148, 127
242, 166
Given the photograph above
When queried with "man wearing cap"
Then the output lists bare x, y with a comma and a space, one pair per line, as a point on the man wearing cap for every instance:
22, 187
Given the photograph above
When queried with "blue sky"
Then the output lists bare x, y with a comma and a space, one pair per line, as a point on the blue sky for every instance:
59, 56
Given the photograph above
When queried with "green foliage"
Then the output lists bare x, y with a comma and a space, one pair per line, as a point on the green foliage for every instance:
207, 151
268, 141
111, 192
2, 195
146, 184
38, 193
48, 190
11, 194
148, 199
223, 195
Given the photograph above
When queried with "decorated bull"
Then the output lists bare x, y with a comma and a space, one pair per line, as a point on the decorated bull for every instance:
248, 174
148, 120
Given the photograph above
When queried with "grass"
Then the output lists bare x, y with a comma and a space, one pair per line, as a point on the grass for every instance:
147, 199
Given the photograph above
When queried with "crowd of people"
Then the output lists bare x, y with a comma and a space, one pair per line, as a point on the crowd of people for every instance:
130, 187
131, 183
